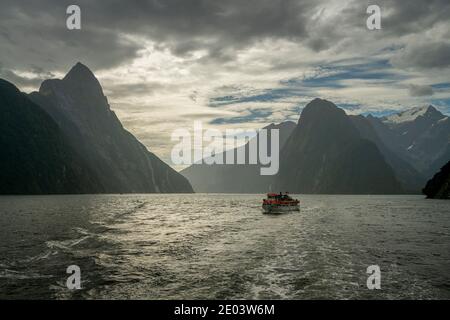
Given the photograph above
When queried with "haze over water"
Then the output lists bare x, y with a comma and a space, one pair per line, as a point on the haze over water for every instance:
222, 247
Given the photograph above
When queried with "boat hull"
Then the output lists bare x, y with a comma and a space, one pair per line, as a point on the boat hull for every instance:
276, 209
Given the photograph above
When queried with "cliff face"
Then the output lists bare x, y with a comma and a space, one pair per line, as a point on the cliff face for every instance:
36, 157
120, 162
439, 186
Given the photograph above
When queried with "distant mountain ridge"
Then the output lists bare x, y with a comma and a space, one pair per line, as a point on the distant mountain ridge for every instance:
411, 115
325, 143
421, 136
242, 178
407, 147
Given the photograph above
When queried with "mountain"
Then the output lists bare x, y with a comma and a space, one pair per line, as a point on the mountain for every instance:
36, 157
420, 136
238, 178
411, 180
427, 114
121, 163
326, 154
439, 186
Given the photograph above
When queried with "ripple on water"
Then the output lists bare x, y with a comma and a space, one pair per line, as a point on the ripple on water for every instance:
221, 246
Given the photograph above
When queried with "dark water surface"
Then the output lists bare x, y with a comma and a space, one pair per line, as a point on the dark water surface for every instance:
223, 247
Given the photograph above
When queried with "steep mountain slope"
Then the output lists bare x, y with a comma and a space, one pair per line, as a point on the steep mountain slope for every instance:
36, 157
121, 162
420, 135
439, 186
411, 180
326, 154
244, 178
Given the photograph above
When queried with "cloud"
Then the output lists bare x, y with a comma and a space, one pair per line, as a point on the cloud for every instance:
419, 90
415, 16
139, 89
251, 115
113, 34
333, 77
36, 31
34, 36
19, 80
429, 55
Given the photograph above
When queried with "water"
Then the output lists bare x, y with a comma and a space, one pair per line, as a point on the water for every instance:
223, 247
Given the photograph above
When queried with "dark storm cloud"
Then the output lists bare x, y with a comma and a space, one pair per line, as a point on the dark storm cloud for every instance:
413, 18
37, 29
400, 17
419, 91
424, 56
34, 37
187, 25
34, 32
406, 17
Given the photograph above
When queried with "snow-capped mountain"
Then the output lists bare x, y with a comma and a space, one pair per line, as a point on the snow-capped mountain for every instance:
419, 135
411, 115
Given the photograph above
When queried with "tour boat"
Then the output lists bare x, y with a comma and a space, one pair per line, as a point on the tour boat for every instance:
279, 203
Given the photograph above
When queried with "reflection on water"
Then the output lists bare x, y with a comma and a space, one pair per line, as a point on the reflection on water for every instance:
222, 246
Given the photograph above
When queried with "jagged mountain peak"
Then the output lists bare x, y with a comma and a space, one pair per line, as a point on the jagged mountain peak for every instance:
79, 72
320, 107
320, 103
114, 155
80, 76
324, 117
327, 154
412, 114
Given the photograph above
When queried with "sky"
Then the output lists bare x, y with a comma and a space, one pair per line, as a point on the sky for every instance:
164, 64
